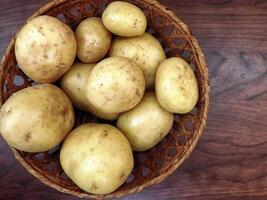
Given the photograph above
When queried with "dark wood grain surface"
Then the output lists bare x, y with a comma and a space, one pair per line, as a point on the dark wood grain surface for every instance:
230, 161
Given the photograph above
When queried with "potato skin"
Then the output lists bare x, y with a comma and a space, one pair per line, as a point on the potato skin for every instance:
145, 50
115, 85
176, 86
73, 83
37, 118
97, 157
124, 19
93, 40
146, 124
45, 49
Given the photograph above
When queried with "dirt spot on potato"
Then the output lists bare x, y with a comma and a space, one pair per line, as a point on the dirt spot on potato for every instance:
105, 133
137, 92
79, 76
64, 111
135, 23
33, 44
94, 186
28, 137
9, 111
45, 56
182, 88
40, 30
122, 176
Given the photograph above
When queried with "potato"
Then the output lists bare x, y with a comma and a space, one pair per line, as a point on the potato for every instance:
73, 83
37, 118
146, 124
97, 157
115, 85
176, 86
93, 40
124, 19
45, 49
145, 50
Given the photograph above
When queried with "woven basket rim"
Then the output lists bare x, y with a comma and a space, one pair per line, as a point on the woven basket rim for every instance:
169, 169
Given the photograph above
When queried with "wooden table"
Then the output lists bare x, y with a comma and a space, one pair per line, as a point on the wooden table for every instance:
230, 161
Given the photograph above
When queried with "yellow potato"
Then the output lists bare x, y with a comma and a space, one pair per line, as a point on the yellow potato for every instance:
145, 50
97, 157
124, 19
176, 86
73, 83
93, 40
45, 49
115, 85
146, 124
37, 118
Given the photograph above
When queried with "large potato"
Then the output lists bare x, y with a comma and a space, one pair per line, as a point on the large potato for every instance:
45, 49
124, 19
73, 83
146, 124
145, 50
176, 86
97, 157
115, 85
93, 40
37, 118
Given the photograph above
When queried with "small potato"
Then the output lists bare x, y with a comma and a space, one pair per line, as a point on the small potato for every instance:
73, 83
176, 86
145, 50
146, 124
45, 49
115, 85
37, 118
93, 40
97, 157
124, 19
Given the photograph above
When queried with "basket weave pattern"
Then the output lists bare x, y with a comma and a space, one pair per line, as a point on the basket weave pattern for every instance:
154, 165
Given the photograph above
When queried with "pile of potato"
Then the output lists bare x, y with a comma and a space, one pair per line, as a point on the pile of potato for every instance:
123, 75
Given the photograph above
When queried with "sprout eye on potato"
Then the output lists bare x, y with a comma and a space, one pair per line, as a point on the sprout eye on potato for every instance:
74, 82
144, 50
176, 86
146, 124
115, 85
97, 157
45, 49
124, 19
93, 40
37, 118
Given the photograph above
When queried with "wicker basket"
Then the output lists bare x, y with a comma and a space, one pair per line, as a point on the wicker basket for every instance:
153, 166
